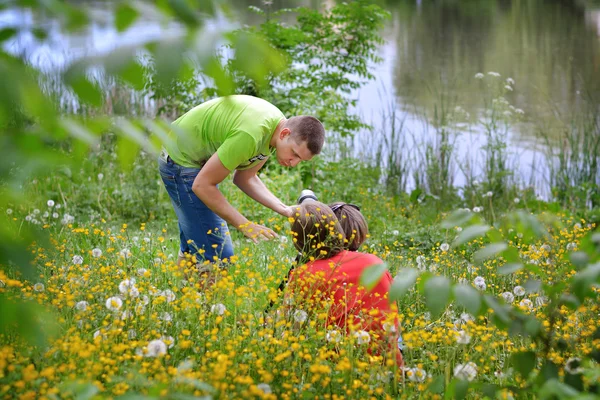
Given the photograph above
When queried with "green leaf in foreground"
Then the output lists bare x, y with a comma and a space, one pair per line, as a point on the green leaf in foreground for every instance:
372, 275
125, 16
489, 251
404, 280
457, 218
468, 297
510, 268
470, 233
437, 294
523, 362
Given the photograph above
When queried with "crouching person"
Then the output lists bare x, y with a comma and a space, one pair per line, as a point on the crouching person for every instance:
329, 275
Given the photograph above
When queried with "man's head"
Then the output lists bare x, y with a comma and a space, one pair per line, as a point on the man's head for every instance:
353, 224
299, 139
316, 230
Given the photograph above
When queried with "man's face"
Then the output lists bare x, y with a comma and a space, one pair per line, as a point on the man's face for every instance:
290, 153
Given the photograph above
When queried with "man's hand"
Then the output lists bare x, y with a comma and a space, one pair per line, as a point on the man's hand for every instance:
257, 232
290, 211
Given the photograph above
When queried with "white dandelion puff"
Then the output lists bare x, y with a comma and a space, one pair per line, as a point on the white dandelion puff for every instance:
39, 287
466, 371
445, 247
81, 305
362, 337
265, 388
156, 348
519, 291
96, 253
334, 336
416, 374
50, 203
526, 303
77, 260
114, 303
168, 295
479, 75
218, 309
463, 338
300, 316
508, 297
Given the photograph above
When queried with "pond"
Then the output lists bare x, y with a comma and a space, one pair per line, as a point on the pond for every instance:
432, 53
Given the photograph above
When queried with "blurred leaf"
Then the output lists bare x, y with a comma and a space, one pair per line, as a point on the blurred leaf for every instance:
84, 89
489, 251
579, 259
168, 60
125, 16
469, 233
79, 390
583, 280
79, 132
554, 389
27, 319
255, 57
135, 134
548, 372
372, 275
133, 73
127, 151
180, 9
436, 385
7, 33
437, 294
414, 196
523, 362
533, 285
510, 268
404, 280
468, 297
501, 312
457, 218
213, 68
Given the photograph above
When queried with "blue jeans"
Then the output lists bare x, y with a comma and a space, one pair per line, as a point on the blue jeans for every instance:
202, 232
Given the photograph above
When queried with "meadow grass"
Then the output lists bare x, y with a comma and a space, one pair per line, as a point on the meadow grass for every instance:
128, 322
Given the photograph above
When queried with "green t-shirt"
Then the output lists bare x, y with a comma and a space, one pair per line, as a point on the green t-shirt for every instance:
239, 128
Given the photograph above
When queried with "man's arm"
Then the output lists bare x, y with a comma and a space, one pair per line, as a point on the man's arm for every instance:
249, 182
205, 187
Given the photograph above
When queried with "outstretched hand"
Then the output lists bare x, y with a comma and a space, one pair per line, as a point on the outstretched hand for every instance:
257, 232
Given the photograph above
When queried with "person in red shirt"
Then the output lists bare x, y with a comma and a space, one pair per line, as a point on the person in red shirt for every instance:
330, 276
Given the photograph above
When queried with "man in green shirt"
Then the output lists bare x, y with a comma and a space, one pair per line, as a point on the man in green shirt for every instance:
229, 134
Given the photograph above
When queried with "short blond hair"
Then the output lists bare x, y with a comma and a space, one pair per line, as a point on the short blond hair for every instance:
316, 231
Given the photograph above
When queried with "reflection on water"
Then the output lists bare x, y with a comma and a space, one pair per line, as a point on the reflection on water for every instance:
433, 48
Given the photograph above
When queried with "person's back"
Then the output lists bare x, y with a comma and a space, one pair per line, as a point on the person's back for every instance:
332, 279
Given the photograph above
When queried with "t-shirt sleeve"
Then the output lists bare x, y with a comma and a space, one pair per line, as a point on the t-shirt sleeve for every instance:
238, 148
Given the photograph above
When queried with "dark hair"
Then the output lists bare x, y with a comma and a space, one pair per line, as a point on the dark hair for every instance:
305, 128
352, 222
316, 231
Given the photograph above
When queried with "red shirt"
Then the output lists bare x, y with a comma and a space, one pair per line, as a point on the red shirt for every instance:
336, 280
